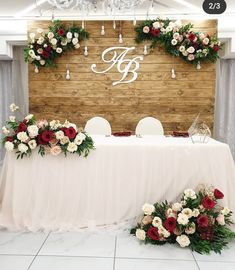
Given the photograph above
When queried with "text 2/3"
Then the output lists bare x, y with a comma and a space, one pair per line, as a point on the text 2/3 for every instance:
214, 5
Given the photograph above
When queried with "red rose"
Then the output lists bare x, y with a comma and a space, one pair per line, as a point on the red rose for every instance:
21, 127
9, 139
191, 37
40, 140
218, 194
155, 32
45, 54
48, 48
47, 136
70, 132
170, 224
202, 221
153, 233
61, 32
207, 234
216, 48
208, 202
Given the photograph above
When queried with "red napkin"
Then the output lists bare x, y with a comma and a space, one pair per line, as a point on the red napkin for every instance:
180, 134
122, 134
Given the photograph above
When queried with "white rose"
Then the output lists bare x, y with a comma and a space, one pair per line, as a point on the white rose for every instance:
59, 50
163, 30
72, 147
191, 229
32, 130
12, 118
37, 57
157, 222
28, 117
176, 35
23, 148
42, 62
59, 135
54, 124
76, 35
156, 25
146, 29
185, 53
176, 207
195, 212
188, 212
174, 42
64, 140
191, 49
189, 193
140, 234
225, 211
74, 41
148, 209
77, 46
169, 28
5, 130
40, 40
206, 41
9, 146
32, 53
50, 35
69, 35
170, 213
78, 140
53, 41
40, 30
183, 240
32, 36
202, 36
32, 144
182, 219
64, 42
22, 136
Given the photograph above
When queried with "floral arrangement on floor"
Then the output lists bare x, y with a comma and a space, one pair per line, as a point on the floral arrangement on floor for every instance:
50, 137
179, 40
198, 221
44, 47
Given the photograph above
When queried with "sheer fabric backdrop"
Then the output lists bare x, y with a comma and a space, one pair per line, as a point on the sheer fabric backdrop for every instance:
224, 128
13, 87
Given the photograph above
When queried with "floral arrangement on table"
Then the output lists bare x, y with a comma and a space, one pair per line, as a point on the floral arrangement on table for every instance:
44, 47
50, 137
198, 221
179, 40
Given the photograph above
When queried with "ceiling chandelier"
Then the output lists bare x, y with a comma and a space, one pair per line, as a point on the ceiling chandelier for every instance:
109, 6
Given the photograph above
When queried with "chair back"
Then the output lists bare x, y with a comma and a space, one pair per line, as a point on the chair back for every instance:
98, 126
149, 126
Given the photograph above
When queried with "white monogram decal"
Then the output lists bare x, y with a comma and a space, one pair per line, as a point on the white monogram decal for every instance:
120, 60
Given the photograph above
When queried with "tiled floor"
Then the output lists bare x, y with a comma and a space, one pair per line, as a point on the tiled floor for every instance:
100, 251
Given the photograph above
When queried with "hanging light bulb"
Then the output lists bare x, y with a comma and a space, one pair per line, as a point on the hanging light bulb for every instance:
102, 30
114, 24
85, 50
120, 40
134, 21
145, 50
198, 65
83, 24
67, 77
36, 70
173, 76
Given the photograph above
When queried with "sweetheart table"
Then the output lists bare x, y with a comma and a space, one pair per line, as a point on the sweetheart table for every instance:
111, 184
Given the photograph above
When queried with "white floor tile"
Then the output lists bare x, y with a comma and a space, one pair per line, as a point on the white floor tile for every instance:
79, 244
227, 255
143, 264
21, 243
216, 265
71, 263
11, 262
129, 246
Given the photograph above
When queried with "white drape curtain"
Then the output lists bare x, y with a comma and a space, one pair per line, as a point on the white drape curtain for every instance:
13, 87
224, 128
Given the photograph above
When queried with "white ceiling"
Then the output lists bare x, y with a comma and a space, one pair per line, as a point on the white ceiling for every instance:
12, 8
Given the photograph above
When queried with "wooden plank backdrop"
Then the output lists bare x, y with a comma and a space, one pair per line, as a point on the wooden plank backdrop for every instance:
175, 102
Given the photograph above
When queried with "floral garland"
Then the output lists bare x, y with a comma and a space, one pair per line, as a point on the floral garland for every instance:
179, 40
53, 137
197, 221
43, 48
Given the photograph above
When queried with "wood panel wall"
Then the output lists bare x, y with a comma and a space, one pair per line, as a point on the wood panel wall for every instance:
175, 102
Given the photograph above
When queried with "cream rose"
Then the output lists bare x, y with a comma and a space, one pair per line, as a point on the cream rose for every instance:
69, 35
64, 140
191, 57
59, 50
13, 107
55, 150
195, 212
156, 25
183, 240
53, 41
182, 219
146, 29
9, 146
28, 117
157, 222
191, 49
32, 130
12, 118
220, 219
59, 135
174, 42
190, 193
177, 207
225, 211
140, 234
191, 229
206, 41
50, 35
148, 209
32, 144
147, 220
23, 148
22, 136
188, 212
5, 130
75, 41
72, 147
77, 46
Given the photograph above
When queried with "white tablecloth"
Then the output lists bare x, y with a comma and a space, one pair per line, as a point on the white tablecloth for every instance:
111, 184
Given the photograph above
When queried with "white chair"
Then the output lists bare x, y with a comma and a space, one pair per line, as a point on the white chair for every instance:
149, 126
98, 126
